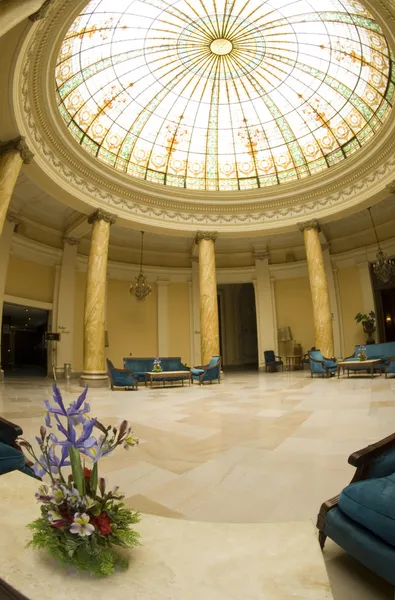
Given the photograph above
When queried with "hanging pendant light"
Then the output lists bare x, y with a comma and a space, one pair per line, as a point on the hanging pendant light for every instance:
141, 289
384, 267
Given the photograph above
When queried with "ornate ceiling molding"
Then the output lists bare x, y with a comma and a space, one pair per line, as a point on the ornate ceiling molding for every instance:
361, 177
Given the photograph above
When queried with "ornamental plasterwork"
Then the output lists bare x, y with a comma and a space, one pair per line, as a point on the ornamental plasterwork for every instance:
52, 145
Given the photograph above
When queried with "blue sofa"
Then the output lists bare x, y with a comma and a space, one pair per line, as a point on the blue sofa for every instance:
319, 365
140, 366
362, 518
120, 378
209, 372
386, 352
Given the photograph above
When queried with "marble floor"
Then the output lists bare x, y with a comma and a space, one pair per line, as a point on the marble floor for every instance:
257, 448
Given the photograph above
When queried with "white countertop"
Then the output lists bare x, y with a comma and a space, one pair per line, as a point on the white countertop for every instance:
180, 560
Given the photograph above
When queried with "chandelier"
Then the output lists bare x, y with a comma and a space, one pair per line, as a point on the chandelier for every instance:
384, 267
141, 289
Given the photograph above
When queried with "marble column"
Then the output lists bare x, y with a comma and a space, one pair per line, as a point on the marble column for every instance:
5, 251
13, 12
163, 317
333, 300
66, 304
95, 372
197, 359
12, 156
266, 325
319, 288
209, 327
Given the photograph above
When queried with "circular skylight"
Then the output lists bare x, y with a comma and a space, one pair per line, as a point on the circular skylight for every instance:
220, 94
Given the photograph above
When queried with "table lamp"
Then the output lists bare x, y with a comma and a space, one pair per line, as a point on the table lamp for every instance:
284, 336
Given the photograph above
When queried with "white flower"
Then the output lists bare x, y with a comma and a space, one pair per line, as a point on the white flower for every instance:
81, 525
54, 516
73, 497
59, 494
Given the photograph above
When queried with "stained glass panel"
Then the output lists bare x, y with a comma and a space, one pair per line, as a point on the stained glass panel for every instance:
224, 94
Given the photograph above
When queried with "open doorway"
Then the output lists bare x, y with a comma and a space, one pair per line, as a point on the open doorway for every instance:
23, 346
238, 327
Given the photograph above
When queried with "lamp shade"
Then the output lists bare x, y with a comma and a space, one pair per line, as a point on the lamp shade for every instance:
284, 334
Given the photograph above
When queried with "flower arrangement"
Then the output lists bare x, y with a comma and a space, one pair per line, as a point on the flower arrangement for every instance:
157, 367
362, 355
82, 523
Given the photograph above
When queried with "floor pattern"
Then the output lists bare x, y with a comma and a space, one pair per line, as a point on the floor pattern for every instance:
256, 448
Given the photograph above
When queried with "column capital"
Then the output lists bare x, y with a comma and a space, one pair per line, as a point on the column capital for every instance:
40, 13
206, 235
17, 145
12, 218
71, 241
162, 282
313, 224
102, 215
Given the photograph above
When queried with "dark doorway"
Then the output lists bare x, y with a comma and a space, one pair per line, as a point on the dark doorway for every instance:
388, 304
23, 346
238, 327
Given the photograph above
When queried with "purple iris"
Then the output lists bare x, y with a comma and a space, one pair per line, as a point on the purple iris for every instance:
55, 462
75, 412
85, 440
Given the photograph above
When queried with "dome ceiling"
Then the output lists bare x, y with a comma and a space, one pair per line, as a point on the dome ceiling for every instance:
220, 95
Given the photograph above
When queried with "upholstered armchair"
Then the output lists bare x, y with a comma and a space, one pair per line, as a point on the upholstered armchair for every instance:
360, 519
11, 455
121, 378
391, 366
210, 372
319, 365
272, 361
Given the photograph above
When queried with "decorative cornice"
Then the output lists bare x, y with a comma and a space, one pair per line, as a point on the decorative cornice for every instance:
206, 235
313, 224
71, 241
17, 145
41, 12
102, 215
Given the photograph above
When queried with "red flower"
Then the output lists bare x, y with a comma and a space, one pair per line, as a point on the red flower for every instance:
103, 523
87, 473
59, 524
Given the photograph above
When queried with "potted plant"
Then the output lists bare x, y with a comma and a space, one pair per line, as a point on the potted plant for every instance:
368, 323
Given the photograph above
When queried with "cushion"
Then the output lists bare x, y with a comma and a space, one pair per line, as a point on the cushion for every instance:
383, 465
372, 504
197, 371
11, 459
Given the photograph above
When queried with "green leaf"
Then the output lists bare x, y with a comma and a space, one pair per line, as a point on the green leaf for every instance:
94, 479
76, 468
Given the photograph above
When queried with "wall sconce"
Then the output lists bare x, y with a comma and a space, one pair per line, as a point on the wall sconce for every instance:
388, 319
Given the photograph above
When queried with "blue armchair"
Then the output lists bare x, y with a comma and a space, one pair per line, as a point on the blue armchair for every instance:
121, 378
11, 455
361, 519
319, 365
272, 361
209, 372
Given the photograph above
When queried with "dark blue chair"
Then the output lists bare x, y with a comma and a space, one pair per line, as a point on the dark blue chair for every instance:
362, 518
210, 372
391, 366
11, 456
319, 365
121, 378
272, 361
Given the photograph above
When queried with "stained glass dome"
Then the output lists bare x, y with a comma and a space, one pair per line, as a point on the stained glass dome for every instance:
224, 95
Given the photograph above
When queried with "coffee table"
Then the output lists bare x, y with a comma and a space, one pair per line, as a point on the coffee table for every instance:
294, 362
167, 376
351, 365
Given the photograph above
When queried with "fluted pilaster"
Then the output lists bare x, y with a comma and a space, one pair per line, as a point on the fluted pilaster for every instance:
12, 156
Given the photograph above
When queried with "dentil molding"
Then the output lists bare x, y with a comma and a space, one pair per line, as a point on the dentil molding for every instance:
363, 176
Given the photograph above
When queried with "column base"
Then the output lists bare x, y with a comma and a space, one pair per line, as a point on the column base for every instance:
97, 379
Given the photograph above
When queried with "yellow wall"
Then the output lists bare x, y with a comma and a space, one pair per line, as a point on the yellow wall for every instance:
132, 325
30, 280
295, 310
179, 331
80, 281
351, 300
